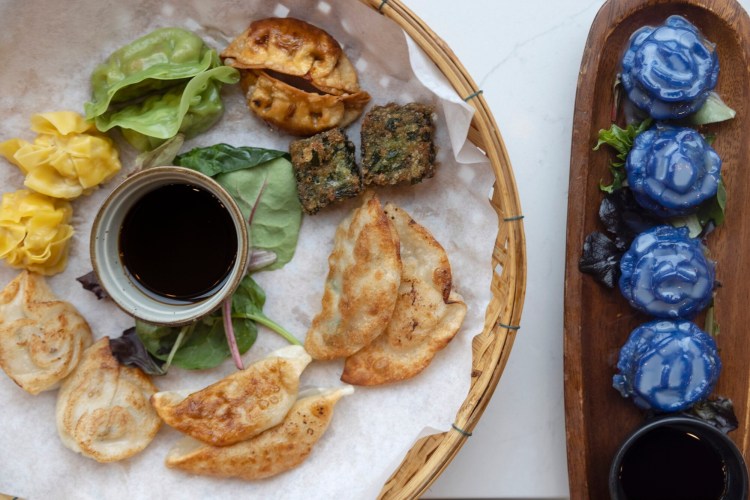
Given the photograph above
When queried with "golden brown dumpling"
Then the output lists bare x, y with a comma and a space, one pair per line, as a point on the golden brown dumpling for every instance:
41, 338
295, 76
269, 453
427, 314
294, 47
241, 405
297, 111
362, 284
102, 407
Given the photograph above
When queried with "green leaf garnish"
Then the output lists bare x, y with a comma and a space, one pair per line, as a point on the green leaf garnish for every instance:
244, 172
713, 110
203, 344
223, 158
710, 211
622, 141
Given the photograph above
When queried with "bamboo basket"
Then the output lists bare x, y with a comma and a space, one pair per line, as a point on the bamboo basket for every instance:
490, 349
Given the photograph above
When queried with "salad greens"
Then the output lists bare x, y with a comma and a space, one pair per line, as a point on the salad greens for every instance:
713, 110
130, 351
202, 345
622, 141
246, 173
223, 158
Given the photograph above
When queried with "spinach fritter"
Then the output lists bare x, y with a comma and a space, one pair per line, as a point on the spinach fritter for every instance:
325, 169
397, 144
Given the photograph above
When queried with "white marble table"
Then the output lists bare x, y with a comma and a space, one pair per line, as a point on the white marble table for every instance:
525, 56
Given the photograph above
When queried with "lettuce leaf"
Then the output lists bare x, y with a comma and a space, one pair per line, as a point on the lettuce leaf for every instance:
622, 141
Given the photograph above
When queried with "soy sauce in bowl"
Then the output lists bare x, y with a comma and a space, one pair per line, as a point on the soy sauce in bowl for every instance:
178, 241
672, 463
678, 456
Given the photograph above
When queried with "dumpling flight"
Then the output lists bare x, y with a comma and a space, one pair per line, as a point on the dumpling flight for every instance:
241, 405
272, 452
428, 314
102, 407
41, 338
362, 284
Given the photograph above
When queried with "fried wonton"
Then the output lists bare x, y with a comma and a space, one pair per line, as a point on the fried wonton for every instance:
41, 338
362, 284
427, 315
241, 405
269, 453
294, 47
102, 407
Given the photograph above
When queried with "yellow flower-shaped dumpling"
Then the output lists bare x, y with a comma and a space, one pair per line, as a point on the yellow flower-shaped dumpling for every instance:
68, 158
34, 231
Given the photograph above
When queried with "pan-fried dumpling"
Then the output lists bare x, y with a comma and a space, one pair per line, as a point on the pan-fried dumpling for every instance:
41, 337
294, 47
269, 453
362, 284
427, 314
241, 405
295, 76
102, 407
295, 110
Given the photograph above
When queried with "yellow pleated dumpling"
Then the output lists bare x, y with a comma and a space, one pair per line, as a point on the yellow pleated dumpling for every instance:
68, 158
34, 231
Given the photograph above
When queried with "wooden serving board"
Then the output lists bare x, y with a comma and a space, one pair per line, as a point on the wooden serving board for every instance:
598, 320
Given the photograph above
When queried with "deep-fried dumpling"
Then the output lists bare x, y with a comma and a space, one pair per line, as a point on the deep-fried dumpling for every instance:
41, 338
241, 405
269, 453
296, 111
294, 47
102, 407
427, 314
362, 284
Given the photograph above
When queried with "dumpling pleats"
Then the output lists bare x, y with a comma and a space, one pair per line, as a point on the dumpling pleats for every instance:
269, 453
362, 284
41, 338
241, 405
428, 314
103, 409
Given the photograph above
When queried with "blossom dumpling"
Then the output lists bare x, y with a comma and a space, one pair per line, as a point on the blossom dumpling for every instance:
34, 231
667, 366
672, 170
669, 70
664, 273
68, 158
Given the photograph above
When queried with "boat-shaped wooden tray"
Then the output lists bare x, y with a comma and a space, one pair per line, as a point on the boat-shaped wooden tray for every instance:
598, 320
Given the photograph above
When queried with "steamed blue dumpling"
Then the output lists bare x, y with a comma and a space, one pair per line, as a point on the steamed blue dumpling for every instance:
667, 366
672, 170
665, 273
669, 70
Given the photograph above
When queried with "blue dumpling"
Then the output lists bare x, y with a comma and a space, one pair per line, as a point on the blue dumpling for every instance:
672, 170
667, 366
665, 273
669, 70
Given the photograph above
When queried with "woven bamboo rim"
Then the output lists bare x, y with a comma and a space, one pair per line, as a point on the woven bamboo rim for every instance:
490, 349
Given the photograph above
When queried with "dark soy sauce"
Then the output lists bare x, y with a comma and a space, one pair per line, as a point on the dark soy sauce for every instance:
178, 241
668, 463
